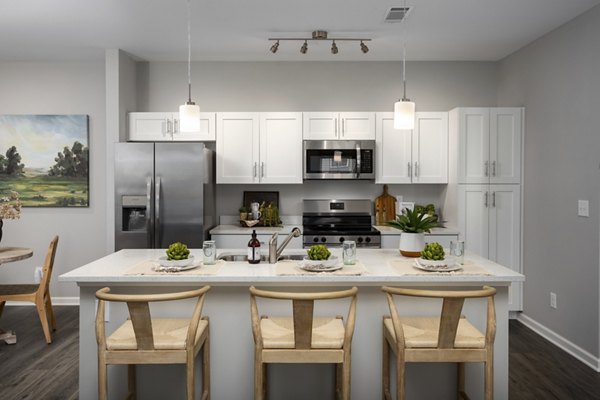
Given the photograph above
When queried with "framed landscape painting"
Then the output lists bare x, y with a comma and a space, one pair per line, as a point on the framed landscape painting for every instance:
45, 159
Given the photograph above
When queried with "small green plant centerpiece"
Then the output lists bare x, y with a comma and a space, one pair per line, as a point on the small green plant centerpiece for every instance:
319, 258
10, 207
177, 255
243, 213
413, 224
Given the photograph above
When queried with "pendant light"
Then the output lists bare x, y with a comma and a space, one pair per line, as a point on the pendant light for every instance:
404, 110
189, 113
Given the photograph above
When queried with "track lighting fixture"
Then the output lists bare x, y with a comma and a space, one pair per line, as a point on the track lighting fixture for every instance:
334, 49
321, 35
304, 48
275, 47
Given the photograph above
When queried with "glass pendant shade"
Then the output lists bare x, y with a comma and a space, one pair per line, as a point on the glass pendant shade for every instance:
189, 117
404, 114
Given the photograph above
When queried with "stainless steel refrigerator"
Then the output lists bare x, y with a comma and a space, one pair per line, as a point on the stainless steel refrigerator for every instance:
164, 193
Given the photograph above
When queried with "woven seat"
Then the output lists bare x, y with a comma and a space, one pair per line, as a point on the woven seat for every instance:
36, 293
447, 338
302, 338
146, 340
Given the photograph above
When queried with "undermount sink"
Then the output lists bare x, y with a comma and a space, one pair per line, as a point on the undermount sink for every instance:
239, 257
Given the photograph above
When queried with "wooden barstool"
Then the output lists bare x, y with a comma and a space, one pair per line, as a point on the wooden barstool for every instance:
302, 338
447, 338
145, 340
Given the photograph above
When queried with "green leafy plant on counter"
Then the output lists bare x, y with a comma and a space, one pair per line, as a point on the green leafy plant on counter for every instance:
318, 252
433, 251
243, 209
413, 221
177, 251
428, 209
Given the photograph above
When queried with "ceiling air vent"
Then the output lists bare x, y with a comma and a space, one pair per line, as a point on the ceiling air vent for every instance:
397, 14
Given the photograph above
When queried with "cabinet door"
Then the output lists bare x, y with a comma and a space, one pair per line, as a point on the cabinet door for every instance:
505, 145
320, 126
473, 137
281, 147
206, 133
150, 126
393, 151
357, 126
505, 231
473, 221
430, 148
237, 148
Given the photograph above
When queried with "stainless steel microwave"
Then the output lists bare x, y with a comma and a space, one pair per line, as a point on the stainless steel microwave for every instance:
339, 159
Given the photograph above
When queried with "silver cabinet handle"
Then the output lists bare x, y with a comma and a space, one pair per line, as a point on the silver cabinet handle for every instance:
343, 127
254, 170
493, 168
336, 129
168, 126
175, 125
157, 213
493, 199
262, 169
409, 170
486, 200
358, 161
416, 169
149, 221
487, 168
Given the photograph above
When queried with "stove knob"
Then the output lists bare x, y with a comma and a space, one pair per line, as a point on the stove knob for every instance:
360, 240
342, 239
368, 239
316, 239
323, 239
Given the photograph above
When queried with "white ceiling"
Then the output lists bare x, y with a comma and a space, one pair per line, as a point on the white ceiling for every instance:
237, 30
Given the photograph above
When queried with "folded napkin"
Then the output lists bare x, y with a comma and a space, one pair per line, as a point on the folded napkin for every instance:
292, 268
149, 267
407, 267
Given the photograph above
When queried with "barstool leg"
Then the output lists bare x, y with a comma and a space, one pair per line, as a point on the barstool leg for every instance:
385, 369
460, 380
259, 376
131, 382
206, 368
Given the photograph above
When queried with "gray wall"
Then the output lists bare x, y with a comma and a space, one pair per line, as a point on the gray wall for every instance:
557, 79
59, 88
317, 86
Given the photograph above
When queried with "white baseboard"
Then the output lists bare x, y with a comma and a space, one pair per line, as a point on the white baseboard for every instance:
56, 301
582, 355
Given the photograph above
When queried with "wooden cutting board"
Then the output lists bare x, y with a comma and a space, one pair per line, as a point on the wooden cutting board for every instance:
385, 207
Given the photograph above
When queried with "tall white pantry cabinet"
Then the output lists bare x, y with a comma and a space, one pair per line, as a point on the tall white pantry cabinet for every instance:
489, 185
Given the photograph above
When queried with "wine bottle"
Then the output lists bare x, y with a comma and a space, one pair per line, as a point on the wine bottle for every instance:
254, 249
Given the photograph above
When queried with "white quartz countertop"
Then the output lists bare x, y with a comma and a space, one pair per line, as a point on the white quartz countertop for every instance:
111, 270
388, 230
260, 230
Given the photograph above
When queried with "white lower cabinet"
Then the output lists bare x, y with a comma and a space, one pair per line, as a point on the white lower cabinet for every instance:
489, 217
412, 156
259, 148
164, 127
231, 241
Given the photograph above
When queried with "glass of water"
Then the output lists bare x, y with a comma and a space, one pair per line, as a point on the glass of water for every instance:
210, 252
457, 249
349, 252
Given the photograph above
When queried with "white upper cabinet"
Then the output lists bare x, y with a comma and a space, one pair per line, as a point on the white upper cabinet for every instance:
489, 144
164, 126
406, 156
339, 126
259, 148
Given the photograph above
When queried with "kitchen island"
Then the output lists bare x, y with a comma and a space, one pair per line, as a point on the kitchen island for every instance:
227, 305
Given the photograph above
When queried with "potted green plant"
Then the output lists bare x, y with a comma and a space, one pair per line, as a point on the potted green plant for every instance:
413, 224
243, 213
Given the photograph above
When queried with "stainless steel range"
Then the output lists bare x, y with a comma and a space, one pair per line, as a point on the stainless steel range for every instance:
330, 222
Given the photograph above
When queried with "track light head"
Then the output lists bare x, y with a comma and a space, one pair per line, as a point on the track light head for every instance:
275, 47
363, 47
334, 48
304, 48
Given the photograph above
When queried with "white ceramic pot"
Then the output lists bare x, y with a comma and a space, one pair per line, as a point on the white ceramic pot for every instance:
411, 244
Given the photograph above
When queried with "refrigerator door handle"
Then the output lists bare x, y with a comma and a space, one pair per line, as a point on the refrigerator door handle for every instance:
149, 223
157, 213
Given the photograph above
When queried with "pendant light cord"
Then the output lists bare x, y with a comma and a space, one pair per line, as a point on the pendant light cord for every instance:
189, 37
404, 71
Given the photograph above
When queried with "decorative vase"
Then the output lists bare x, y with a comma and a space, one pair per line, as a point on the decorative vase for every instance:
411, 244
243, 216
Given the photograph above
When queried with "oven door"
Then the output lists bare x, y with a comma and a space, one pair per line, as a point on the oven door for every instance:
339, 159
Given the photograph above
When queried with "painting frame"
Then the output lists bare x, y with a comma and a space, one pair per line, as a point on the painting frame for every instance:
46, 159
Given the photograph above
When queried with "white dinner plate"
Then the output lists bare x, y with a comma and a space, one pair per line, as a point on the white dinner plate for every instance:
320, 267
438, 268
161, 268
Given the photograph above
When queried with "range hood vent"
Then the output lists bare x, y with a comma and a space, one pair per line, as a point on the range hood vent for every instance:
397, 14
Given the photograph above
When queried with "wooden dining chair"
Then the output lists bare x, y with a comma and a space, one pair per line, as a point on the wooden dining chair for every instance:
302, 338
447, 338
145, 340
38, 293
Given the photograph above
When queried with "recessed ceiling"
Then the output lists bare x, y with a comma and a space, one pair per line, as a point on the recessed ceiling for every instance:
237, 30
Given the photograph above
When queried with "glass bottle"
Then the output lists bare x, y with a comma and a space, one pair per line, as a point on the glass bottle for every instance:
254, 249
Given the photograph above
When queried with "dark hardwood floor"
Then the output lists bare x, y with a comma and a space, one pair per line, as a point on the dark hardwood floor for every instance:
31, 369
